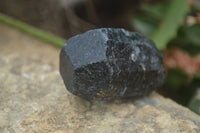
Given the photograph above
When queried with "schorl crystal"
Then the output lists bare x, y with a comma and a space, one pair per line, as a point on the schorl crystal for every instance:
108, 63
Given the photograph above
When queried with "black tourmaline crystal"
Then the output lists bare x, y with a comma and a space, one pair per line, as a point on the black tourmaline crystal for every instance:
107, 63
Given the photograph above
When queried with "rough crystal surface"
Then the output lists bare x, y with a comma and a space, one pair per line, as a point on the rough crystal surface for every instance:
108, 63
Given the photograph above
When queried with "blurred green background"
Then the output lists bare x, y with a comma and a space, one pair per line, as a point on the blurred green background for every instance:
174, 25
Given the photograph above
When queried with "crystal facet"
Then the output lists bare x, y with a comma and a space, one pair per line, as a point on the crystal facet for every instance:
108, 63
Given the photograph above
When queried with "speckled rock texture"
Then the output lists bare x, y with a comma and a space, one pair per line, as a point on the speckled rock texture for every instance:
33, 98
111, 63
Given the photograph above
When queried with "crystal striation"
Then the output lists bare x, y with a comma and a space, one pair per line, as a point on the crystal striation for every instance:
109, 63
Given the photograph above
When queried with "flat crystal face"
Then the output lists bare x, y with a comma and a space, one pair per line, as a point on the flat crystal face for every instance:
108, 63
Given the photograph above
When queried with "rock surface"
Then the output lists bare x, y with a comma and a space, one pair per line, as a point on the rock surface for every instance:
111, 63
34, 99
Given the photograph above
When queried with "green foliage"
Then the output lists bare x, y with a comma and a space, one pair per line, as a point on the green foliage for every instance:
165, 24
188, 38
168, 18
180, 87
193, 34
173, 20
176, 78
33, 31
147, 23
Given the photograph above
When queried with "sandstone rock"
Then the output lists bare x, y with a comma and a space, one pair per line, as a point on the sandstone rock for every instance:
34, 99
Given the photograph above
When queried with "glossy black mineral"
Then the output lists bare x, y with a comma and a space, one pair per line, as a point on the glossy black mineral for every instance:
107, 63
